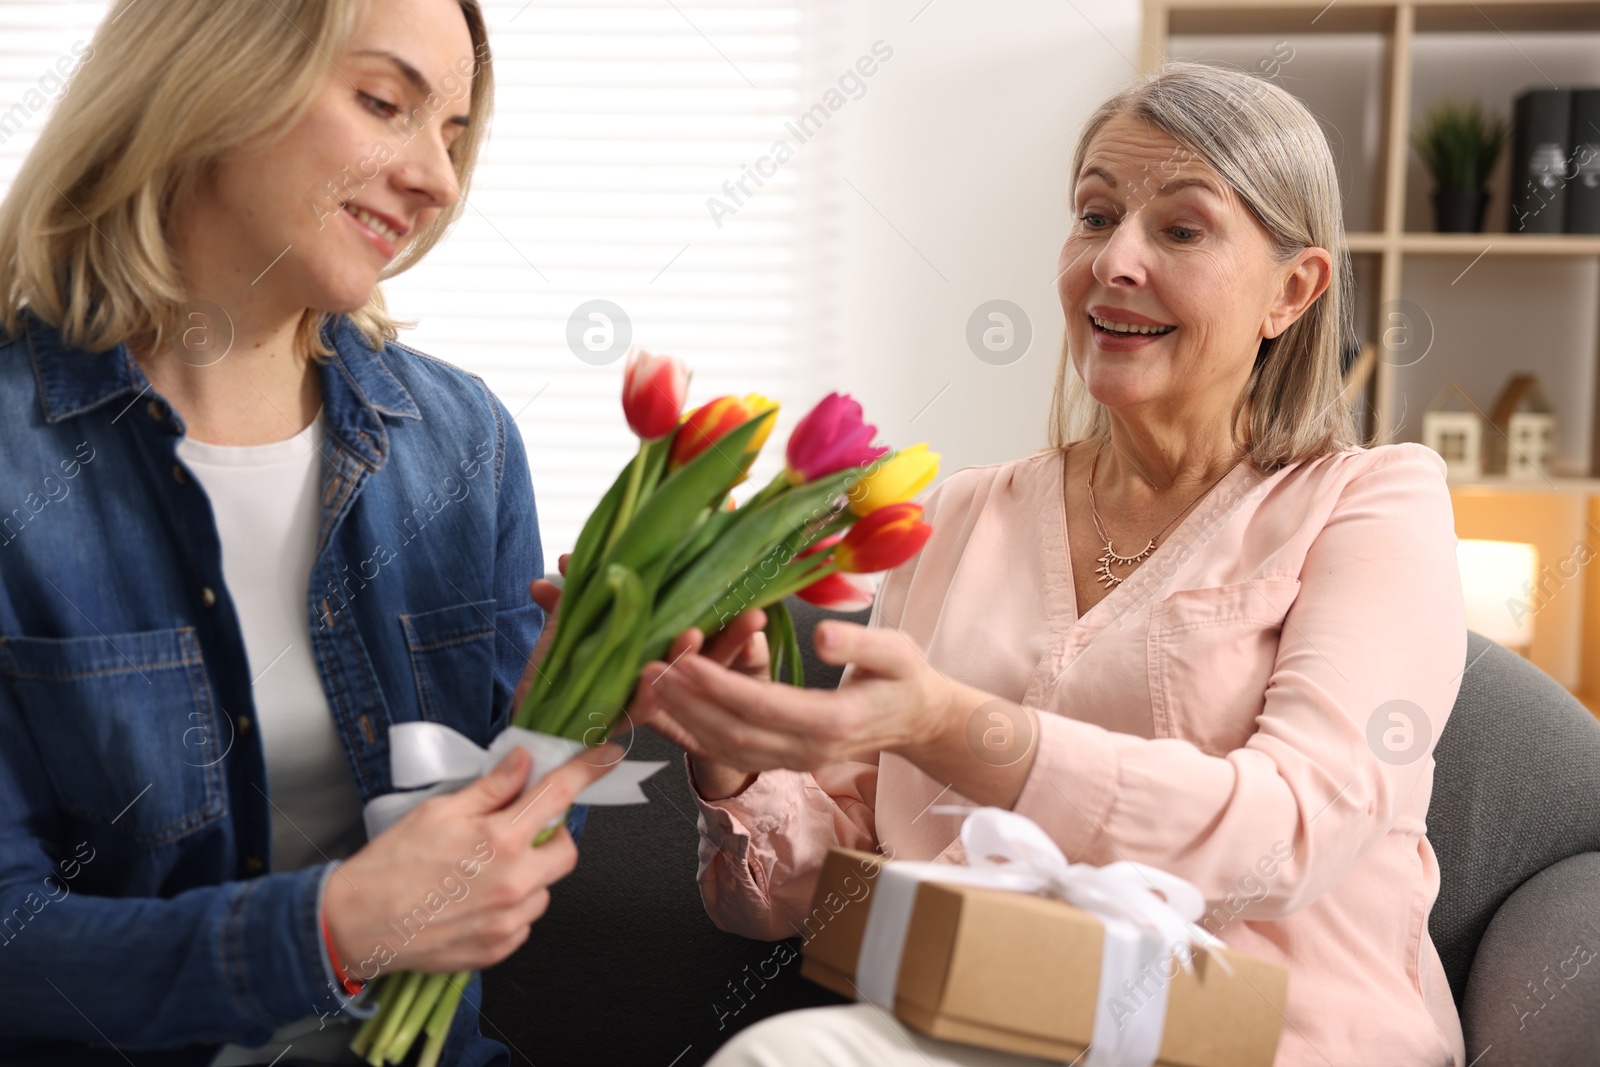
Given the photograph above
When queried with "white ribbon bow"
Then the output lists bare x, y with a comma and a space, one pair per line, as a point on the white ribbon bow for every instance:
433, 755
1009, 851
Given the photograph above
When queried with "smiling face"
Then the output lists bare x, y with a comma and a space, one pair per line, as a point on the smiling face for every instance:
1160, 243
345, 189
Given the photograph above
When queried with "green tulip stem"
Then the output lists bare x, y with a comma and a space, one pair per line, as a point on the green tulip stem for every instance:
403, 994
385, 1001
438, 1024
630, 497
785, 646
550, 831
421, 1008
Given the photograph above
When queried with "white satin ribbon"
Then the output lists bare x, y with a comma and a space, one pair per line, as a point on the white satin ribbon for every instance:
1009, 851
433, 755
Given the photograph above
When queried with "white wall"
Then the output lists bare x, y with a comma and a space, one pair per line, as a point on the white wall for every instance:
960, 153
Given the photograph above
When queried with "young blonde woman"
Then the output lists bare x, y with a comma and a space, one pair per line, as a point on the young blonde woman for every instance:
1224, 634
246, 532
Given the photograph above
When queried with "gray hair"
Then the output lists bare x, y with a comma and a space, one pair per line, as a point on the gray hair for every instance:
1269, 148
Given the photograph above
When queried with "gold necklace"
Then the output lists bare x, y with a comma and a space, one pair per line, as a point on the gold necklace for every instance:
1108, 557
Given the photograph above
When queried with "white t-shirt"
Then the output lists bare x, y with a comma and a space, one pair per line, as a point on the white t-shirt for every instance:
264, 500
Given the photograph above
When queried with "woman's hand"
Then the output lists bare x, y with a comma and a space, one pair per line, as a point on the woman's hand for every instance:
741, 646
455, 884
736, 726
895, 701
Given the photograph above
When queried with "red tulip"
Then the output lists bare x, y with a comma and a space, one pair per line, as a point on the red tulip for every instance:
837, 592
883, 540
653, 391
714, 420
829, 439
821, 546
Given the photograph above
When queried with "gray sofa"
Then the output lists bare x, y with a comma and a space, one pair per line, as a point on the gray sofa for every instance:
1515, 822
626, 968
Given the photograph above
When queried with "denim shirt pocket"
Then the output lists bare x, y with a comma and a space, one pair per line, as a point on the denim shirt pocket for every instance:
126, 728
452, 660
1211, 655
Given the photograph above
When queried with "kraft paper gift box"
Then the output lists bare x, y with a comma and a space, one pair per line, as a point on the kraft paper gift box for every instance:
1021, 972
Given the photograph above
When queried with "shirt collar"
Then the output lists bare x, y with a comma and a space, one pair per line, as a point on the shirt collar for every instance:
357, 384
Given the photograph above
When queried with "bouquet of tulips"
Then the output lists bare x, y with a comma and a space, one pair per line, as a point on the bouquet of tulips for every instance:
666, 550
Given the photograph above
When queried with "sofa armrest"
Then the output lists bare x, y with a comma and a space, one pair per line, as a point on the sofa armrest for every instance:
1534, 991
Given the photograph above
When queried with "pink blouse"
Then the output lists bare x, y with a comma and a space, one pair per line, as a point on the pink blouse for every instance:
1253, 709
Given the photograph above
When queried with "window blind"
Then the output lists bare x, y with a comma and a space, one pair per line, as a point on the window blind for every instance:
624, 165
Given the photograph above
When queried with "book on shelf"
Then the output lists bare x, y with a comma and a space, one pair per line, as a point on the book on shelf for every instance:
1541, 156
1583, 192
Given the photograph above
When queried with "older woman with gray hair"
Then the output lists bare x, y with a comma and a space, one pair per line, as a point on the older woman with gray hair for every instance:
1225, 632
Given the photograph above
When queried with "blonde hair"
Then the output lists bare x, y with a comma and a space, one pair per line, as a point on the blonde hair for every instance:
165, 88
1266, 145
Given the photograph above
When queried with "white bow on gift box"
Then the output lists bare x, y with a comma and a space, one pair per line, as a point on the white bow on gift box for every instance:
432, 755
1009, 851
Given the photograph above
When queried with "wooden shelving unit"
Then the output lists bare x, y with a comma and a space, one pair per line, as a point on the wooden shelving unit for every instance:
1398, 24
1555, 514
1471, 244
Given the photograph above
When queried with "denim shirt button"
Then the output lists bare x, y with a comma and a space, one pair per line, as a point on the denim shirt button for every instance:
207, 597
156, 409
253, 864
243, 723
179, 475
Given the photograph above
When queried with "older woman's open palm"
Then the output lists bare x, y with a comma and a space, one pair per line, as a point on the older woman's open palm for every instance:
756, 725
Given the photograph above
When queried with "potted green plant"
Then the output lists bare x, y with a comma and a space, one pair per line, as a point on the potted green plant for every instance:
1460, 144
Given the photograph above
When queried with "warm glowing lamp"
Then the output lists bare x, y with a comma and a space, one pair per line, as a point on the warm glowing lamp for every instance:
1496, 577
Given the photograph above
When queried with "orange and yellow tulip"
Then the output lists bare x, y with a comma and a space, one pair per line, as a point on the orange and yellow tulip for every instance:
713, 420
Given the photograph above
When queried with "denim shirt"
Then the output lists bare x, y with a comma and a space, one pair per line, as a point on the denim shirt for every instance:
139, 906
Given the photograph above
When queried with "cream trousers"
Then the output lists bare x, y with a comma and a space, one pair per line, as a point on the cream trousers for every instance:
853, 1035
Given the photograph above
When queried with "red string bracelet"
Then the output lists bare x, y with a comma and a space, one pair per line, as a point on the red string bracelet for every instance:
351, 986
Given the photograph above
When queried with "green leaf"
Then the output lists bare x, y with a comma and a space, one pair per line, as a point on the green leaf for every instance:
579, 607
607, 698
660, 521
756, 543
585, 553
627, 617
707, 529
1459, 144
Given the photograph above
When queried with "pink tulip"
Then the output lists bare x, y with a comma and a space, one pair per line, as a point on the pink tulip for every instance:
829, 439
653, 391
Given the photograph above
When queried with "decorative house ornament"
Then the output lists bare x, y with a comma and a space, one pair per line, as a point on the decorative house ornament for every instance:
1524, 447
1455, 434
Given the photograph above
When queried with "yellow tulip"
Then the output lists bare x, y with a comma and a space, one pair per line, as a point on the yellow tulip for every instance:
754, 402
895, 480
